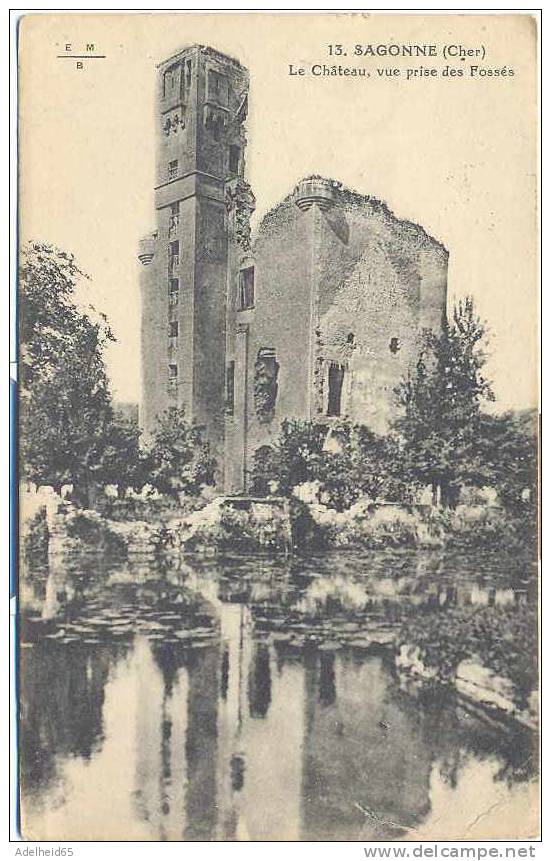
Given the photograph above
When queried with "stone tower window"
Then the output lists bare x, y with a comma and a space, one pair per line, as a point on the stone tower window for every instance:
187, 77
173, 329
172, 169
174, 215
217, 88
230, 387
335, 380
235, 156
168, 82
172, 371
246, 289
173, 254
266, 370
394, 345
217, 129
173, 286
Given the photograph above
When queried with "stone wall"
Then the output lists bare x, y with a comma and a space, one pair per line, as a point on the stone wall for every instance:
340, 283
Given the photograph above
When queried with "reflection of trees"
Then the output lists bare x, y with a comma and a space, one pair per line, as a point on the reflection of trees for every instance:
63, 689
456, 736
366, 765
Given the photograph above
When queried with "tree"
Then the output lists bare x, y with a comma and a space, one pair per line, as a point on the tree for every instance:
122, 461
347, 460
179, 459
65, 403
441, 406
292, 460
360, 464
509, 449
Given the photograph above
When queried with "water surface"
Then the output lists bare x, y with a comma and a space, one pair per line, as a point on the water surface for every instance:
258, 699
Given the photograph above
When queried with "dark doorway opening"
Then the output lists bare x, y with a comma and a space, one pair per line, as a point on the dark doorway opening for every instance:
336, 378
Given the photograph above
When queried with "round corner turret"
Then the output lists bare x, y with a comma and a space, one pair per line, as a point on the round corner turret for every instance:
146, 249
316, 190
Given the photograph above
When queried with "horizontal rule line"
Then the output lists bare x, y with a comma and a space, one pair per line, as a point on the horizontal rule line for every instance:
82, 56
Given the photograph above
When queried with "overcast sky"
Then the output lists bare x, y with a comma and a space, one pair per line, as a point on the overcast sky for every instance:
457, 156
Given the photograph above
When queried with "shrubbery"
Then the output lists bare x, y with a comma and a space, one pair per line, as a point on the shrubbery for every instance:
93, 533
239, 531
504, 640
35, 544
347, 460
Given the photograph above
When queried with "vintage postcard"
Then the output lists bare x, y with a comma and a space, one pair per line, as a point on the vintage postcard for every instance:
278, 419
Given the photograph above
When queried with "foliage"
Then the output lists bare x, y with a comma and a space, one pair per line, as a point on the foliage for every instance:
65, 408
492, 527
240, 532
179, 460
364, 465
441, 403
349, 461
35, 544
122, 462
509, 448
293, 460
150, 508
93, 532
504, 640
324, 529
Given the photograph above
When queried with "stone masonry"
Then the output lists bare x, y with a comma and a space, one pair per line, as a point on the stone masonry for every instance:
316, 317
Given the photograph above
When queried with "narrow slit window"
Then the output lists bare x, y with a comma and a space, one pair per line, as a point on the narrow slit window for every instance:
173, 329
174, 254
174, 215
168, 82
217, 129
235, 156
246, 288
172, 371
188, 73
173, 286
172, 169
394, 345
335, 380
230, 387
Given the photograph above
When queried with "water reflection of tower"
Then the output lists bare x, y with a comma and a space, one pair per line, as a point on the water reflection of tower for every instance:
234, 630
177, 740
202, 742
260, 734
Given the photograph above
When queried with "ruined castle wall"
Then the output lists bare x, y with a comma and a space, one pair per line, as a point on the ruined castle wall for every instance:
281, 321
379, 282
350, 286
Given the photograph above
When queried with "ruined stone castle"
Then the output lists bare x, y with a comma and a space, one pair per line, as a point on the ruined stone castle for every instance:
318, 316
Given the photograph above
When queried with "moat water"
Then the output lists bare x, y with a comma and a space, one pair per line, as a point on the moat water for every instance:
259, 699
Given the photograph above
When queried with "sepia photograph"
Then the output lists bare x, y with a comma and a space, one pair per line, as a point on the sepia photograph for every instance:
278, 423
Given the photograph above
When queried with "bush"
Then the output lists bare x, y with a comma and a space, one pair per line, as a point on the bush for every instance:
504, 640
347, 460
483, 528
239, 531
319, 528
35, 544
150, 509
93, 533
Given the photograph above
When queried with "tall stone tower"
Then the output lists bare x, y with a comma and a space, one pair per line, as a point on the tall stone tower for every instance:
201, 106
